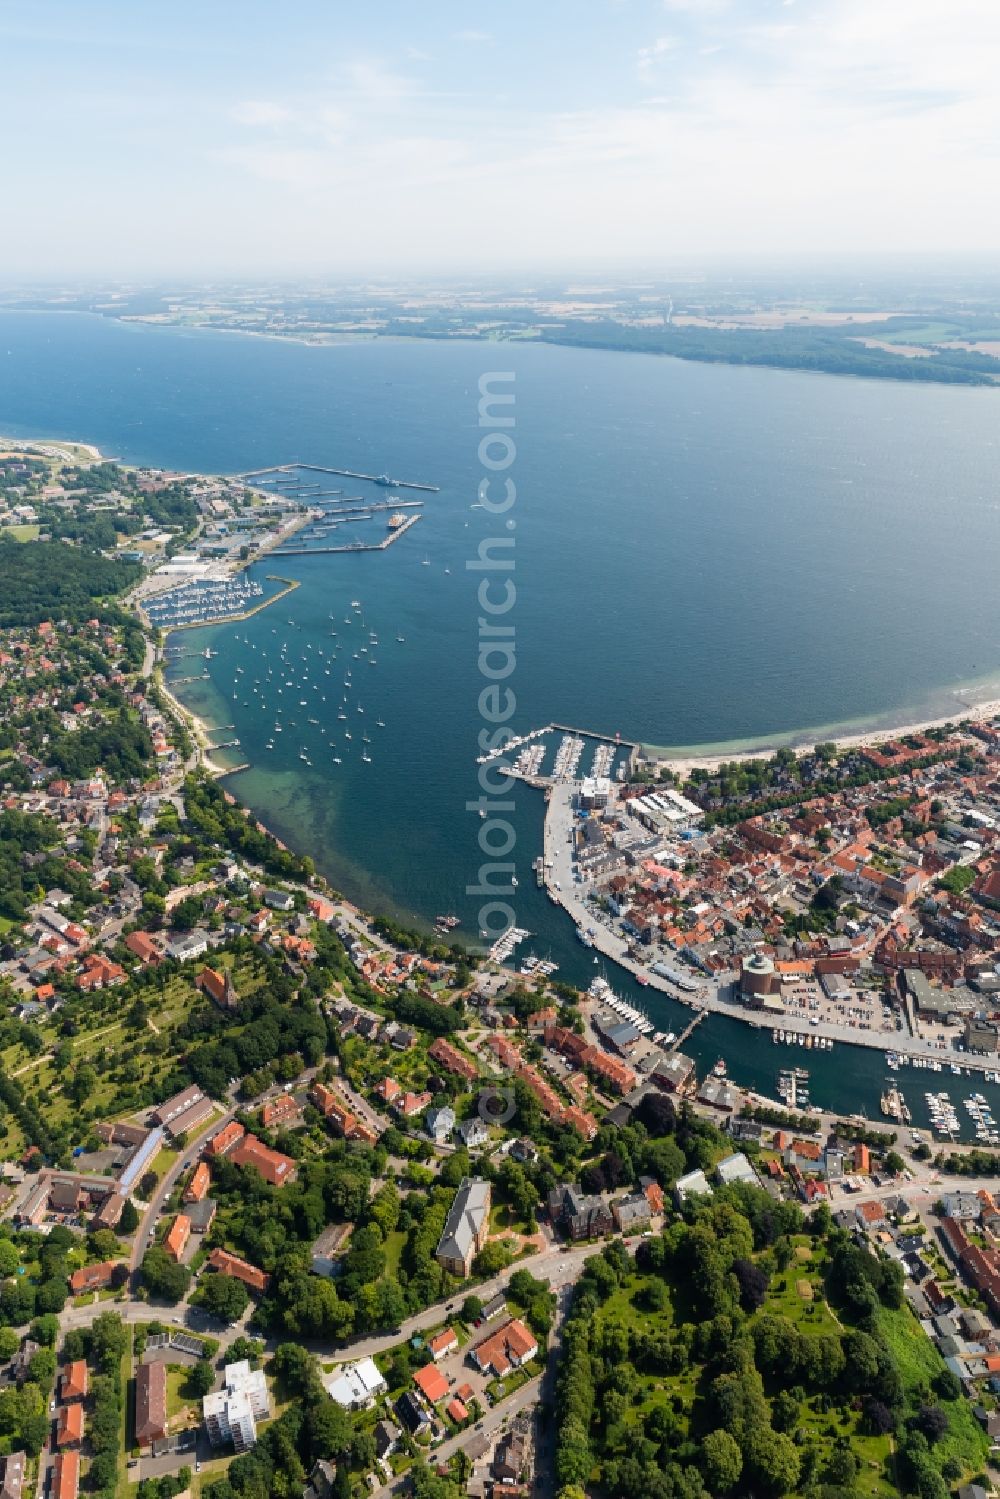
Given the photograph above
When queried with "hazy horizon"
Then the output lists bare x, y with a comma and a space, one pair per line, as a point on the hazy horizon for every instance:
175, 141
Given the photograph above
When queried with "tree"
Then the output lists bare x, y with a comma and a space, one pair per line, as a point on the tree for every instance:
753, 1283
653, 1295
10, 1257
42, 1367
103, 1243
224, 1297
10, 1342
492, 1258
932, 1421
722, 1461
83, 1084
162, 1277
472, 1310
842, 1467
775, 1458
878, 1418
200, 1379
250, 1349
329, 1430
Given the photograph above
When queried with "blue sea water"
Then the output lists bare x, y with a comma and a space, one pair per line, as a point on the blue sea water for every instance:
703, 554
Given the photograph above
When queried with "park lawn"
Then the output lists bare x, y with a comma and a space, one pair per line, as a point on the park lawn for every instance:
176, 1376
873, 1453
163, 1160
785, 1299
503, 1219
393, 1248
26, 532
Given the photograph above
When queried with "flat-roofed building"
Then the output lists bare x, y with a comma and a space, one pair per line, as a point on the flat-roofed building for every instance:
356, 1386
231, 1414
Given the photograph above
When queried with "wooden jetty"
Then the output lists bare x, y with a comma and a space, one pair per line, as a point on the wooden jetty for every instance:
688, 1030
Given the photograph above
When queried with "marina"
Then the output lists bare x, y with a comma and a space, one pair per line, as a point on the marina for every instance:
191, 606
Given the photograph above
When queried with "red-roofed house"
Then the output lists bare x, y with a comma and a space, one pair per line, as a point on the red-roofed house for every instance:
69, 1430
871, 1215
446, 1342
177, 1236
74, 1383
274, 1167
231, 1264
146, 949
508, 1348
66, 1475
431, 1383
279, 1110
654, 1196
226, 1139
198, 1185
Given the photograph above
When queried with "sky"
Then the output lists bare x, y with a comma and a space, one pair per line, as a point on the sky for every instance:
322, 138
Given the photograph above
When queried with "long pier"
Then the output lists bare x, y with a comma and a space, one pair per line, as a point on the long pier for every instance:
351, 546
342, 473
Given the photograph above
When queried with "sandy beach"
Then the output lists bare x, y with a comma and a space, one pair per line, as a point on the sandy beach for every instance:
684, 763
196, 726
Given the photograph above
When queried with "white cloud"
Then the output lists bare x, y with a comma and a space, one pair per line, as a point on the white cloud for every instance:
260, 112
649, 56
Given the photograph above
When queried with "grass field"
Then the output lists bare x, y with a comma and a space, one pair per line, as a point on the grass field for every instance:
919, 1361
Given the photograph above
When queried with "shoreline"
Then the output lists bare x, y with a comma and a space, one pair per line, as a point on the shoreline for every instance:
686, 759
91, 449
194, 724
